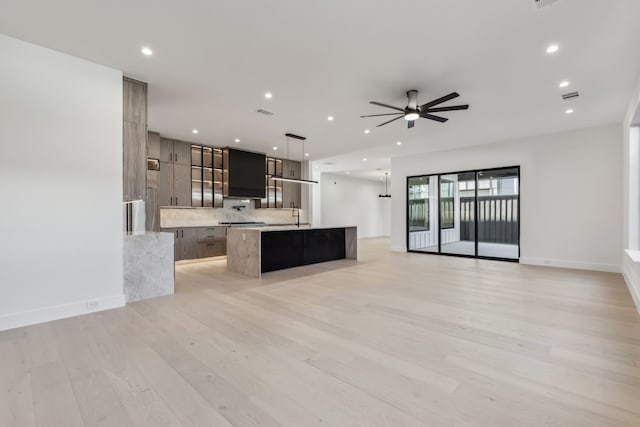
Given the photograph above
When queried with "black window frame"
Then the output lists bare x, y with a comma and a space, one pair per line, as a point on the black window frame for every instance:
475, 171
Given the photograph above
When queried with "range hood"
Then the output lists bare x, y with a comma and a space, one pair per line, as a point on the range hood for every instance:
243, 174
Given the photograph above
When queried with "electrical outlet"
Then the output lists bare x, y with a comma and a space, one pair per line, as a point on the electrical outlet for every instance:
93, 305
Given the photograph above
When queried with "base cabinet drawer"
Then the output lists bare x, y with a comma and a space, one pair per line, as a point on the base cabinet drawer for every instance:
211, 249
211, 234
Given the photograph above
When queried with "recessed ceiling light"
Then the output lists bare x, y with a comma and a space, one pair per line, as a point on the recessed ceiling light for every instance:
146, 51
275, 148
330, 118
268, 95
399, 143
306, 154
367, 131
237, 140
553, 48
194, 131
564, 83
364, 159
569, 111
348, 173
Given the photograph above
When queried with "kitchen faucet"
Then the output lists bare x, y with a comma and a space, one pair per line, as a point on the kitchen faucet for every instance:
293, 213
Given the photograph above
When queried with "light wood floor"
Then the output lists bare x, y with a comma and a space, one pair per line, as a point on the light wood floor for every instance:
392, 340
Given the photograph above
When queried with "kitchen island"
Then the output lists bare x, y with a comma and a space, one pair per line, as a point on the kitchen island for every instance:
255, 250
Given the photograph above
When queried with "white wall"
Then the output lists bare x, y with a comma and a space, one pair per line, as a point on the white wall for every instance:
631, 197
571, 196
60, 185
353, 201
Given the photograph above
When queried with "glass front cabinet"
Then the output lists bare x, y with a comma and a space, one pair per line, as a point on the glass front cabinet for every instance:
206, 177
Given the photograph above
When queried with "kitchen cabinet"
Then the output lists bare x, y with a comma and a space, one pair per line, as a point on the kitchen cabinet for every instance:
174, 151
174, 176
273, 188
211, 241
165, 184
198, 242
206, 177
291, 191
182, 185
282, 194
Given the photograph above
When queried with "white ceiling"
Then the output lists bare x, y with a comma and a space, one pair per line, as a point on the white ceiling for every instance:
214, 60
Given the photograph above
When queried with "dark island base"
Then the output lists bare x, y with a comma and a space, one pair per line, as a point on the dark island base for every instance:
286, 249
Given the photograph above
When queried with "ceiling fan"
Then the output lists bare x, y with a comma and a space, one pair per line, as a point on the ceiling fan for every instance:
413, 111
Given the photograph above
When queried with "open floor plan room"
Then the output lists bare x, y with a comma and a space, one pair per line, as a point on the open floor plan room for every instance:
320, 213
390, 340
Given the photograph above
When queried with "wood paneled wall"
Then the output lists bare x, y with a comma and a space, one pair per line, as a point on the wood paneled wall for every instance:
134, 138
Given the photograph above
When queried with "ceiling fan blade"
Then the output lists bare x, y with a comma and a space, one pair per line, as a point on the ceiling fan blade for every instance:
440, 100
452, 108
380, 104
392, 120
411, 124
432, 117
386, 114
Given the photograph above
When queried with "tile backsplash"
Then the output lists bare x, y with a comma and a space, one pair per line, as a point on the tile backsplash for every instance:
203, 217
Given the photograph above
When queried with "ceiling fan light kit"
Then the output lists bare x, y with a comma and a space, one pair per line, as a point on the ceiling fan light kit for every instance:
413, 111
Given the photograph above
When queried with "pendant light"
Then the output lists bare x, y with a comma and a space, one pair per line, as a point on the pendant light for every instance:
386, 194
300, 181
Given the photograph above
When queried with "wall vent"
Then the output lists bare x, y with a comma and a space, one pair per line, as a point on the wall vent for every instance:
265, 112
570, 95
542, 3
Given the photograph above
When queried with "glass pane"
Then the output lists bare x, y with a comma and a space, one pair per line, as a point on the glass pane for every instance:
498, 222
196, 186
278, 194
207, 174
196, 155
271, 167
457, 209
422, 208
207, 194
207, 157
218, 201
217, 158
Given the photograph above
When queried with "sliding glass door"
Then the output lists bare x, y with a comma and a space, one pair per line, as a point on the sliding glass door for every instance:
422, 213
498, 221
457, 215
470, 213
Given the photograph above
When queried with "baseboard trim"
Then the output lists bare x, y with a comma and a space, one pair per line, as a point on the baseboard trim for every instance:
47, 314
576, 265
398, 249
632, 280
